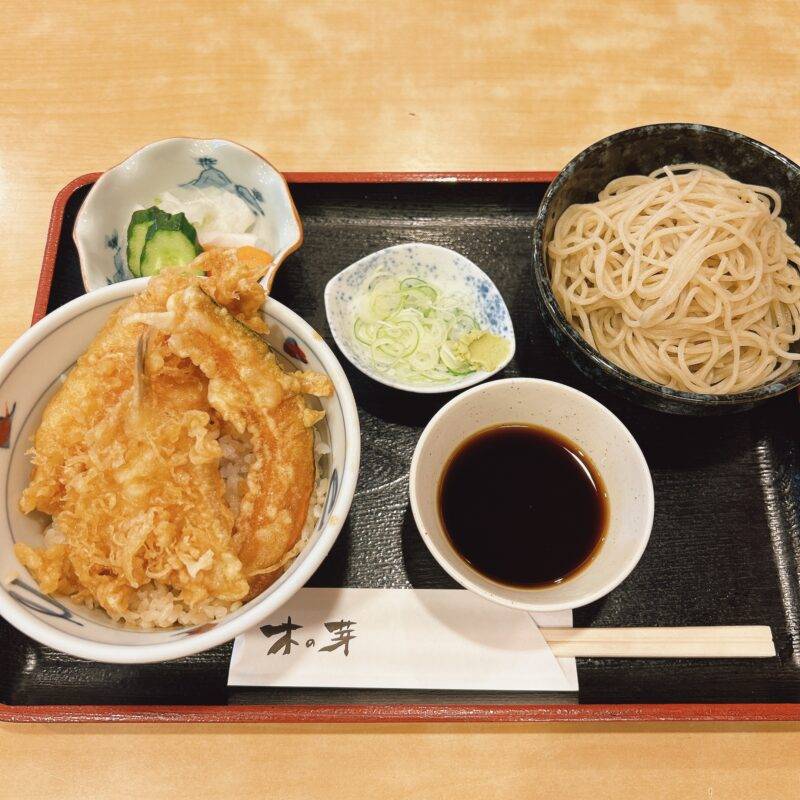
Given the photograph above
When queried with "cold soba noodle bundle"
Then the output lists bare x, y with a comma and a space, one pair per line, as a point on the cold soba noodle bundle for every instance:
685, 277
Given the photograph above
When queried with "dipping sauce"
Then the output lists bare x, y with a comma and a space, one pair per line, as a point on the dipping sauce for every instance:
523, 505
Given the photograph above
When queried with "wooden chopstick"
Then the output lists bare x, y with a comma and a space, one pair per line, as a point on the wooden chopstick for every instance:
724, 641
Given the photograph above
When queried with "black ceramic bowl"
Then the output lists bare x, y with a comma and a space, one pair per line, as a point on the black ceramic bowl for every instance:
640, 151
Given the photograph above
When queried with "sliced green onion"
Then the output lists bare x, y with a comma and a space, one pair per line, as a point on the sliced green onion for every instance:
461, 326
412, 331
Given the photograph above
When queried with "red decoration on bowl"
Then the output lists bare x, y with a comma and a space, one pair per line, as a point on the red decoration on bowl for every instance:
291, 348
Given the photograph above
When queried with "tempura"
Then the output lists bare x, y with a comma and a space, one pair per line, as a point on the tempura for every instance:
181, 488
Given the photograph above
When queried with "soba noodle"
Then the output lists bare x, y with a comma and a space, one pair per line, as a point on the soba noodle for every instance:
686, 278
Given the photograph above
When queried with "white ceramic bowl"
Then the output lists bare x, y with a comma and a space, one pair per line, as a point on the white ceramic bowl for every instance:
30, 372
606, 441
102, 222
440, 266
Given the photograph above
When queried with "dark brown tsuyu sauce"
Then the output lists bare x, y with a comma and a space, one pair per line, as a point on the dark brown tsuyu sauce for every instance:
523, 505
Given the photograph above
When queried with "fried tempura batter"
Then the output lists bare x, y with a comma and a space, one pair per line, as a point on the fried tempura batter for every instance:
132, 478
96, 383
254, 395
144, 500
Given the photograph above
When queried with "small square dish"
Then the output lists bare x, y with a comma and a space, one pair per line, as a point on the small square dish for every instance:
417, 353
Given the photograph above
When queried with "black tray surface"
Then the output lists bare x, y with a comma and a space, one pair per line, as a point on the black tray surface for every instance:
725, 542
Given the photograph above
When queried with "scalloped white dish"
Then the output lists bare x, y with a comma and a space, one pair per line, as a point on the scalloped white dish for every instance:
177, 166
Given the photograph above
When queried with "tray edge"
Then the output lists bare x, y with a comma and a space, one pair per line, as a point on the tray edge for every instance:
677, 712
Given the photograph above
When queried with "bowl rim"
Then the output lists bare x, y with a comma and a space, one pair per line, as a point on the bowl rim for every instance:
346, 349
278, 258
226, 629
541, 274
463, 576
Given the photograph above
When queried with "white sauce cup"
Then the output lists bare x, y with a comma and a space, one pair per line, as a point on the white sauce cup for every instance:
600, 435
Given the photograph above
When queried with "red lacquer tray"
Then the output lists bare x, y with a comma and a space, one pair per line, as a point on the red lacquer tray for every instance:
487, 216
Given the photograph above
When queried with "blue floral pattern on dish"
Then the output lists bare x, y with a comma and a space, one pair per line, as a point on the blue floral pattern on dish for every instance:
211, 175
330, 500
42, 603
121, 272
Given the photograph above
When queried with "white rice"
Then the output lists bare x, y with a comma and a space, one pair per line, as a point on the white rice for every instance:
156, 606
233, 466
53, 535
